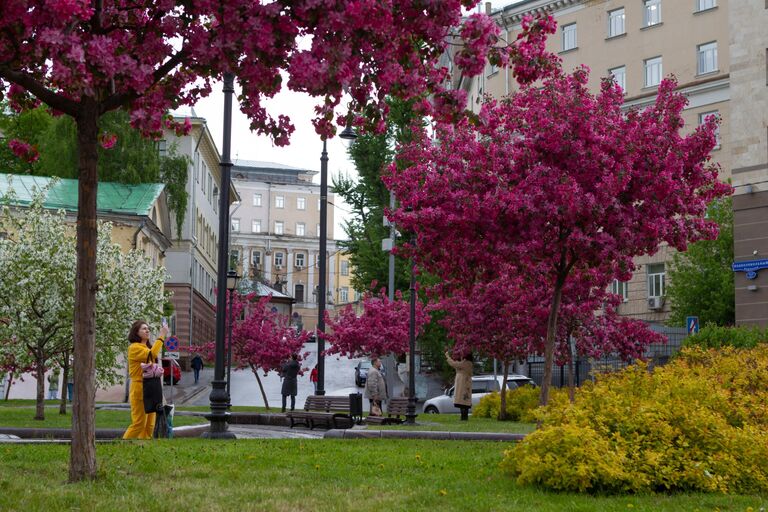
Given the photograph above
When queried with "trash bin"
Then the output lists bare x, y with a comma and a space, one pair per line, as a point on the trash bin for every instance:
356, 406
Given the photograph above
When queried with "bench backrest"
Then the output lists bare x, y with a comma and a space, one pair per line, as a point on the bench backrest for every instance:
397, 406
327, 403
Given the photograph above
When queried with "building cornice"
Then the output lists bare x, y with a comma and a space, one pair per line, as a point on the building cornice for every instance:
689, 89
513, 14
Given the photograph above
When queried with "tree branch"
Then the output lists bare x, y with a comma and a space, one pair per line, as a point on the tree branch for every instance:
40, 91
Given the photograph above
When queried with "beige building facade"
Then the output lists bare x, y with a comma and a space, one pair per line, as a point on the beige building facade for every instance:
275, 232
638, 43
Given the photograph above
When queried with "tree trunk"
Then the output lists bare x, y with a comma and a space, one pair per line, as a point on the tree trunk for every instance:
40, 402
8, 388
549, 346
571, 381
64, 389
261, 387
503, 407
82, 461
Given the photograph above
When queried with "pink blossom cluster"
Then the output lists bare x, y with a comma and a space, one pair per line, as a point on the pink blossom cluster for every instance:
537, 204
23, 150
261, 339
153, 56
382, 328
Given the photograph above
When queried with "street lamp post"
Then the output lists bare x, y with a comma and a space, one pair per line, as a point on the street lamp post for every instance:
232, 278
219, 398
410, 414
347, 134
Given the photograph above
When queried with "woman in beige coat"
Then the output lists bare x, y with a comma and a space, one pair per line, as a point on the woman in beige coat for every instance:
462, 389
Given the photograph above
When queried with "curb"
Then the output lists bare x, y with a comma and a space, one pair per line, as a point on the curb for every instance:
423, 434
65, 434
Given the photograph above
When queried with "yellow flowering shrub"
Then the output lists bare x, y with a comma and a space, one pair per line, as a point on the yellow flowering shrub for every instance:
522, 403
699, 423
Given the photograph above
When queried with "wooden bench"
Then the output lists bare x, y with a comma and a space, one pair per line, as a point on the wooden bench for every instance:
396, 407
328, 411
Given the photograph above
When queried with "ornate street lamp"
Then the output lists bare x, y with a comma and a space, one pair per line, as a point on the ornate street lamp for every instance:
219, 396
232, 279
347, 134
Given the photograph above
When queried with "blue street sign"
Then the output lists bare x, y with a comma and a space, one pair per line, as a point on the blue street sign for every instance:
172, 344
750, 267
692, 324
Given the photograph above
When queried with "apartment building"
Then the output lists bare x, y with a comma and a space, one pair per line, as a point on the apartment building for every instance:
193, 259
717, 51
275, 235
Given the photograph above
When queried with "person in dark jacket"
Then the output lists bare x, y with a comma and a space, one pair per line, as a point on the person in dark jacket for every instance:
197, 365
290, 371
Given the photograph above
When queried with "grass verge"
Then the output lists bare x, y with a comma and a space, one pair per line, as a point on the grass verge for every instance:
452, 423
307, 475
23, 417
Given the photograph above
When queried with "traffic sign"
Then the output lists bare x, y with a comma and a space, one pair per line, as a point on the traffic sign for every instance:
692, 324
172, 355
172, 344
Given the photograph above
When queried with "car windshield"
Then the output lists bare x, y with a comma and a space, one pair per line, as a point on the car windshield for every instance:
364, 365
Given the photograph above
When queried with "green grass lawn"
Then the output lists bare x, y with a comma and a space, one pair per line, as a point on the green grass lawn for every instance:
451, 423
306, 475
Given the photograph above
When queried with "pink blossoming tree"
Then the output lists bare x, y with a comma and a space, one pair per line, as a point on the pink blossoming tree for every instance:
382, 328
559, 179
261, 339
84, 58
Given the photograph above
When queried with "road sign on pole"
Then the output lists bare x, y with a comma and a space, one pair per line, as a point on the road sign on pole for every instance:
692, 324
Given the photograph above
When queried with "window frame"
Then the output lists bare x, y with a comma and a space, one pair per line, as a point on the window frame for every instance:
235, 224
566, 32
611, 24
620, 288
647, 13
301, 229
344, 267
279, 227
646, 69
255, 225
256, 199
656, 279
702, 116
301, 203
300, 256
280, 202
699, 7
623, 84
279, 256
708, 55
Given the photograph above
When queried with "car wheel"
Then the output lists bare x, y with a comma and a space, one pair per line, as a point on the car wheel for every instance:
431, 410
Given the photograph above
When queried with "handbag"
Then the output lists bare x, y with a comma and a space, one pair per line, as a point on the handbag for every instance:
153, 386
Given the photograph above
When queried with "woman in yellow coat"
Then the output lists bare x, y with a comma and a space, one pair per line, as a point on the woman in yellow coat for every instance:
142, 424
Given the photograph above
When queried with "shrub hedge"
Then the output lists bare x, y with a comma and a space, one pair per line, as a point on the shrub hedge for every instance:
521, 403
716, 336
699, 423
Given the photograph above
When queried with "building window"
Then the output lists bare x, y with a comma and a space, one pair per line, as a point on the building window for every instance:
215, 199
318, 230
299, 293
619, 76
652, 12
197, 167
703, 117
256, 199
234, 259
318, 205
656, 278
236, 225
345, 267
209, 189
300, 229
653, 72
344, 294
279, 201
300, 259
492, 69
707, 4
255, 226
301, 203
707, 57
620, 288
256, 258
616, 22
569, 37
278, 259
279, 227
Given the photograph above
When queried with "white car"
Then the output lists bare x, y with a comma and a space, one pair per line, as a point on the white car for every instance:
481, 386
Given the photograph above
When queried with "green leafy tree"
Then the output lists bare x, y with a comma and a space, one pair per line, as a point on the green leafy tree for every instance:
37, 281
701, 279
131, 159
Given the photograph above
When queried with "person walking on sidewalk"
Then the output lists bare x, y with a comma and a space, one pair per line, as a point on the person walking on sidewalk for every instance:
197, 365
313, 378
142, 424
375, 387
289, 372
462, 388
53, 384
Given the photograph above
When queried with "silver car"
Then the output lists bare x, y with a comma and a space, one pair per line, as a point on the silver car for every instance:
481, 386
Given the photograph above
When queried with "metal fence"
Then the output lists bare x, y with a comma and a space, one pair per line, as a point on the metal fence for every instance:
587, 368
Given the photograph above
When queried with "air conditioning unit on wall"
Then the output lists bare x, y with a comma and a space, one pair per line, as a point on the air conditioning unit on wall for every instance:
279, 267
655, 303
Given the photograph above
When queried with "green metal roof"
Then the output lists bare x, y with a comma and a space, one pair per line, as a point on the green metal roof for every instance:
111, 198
